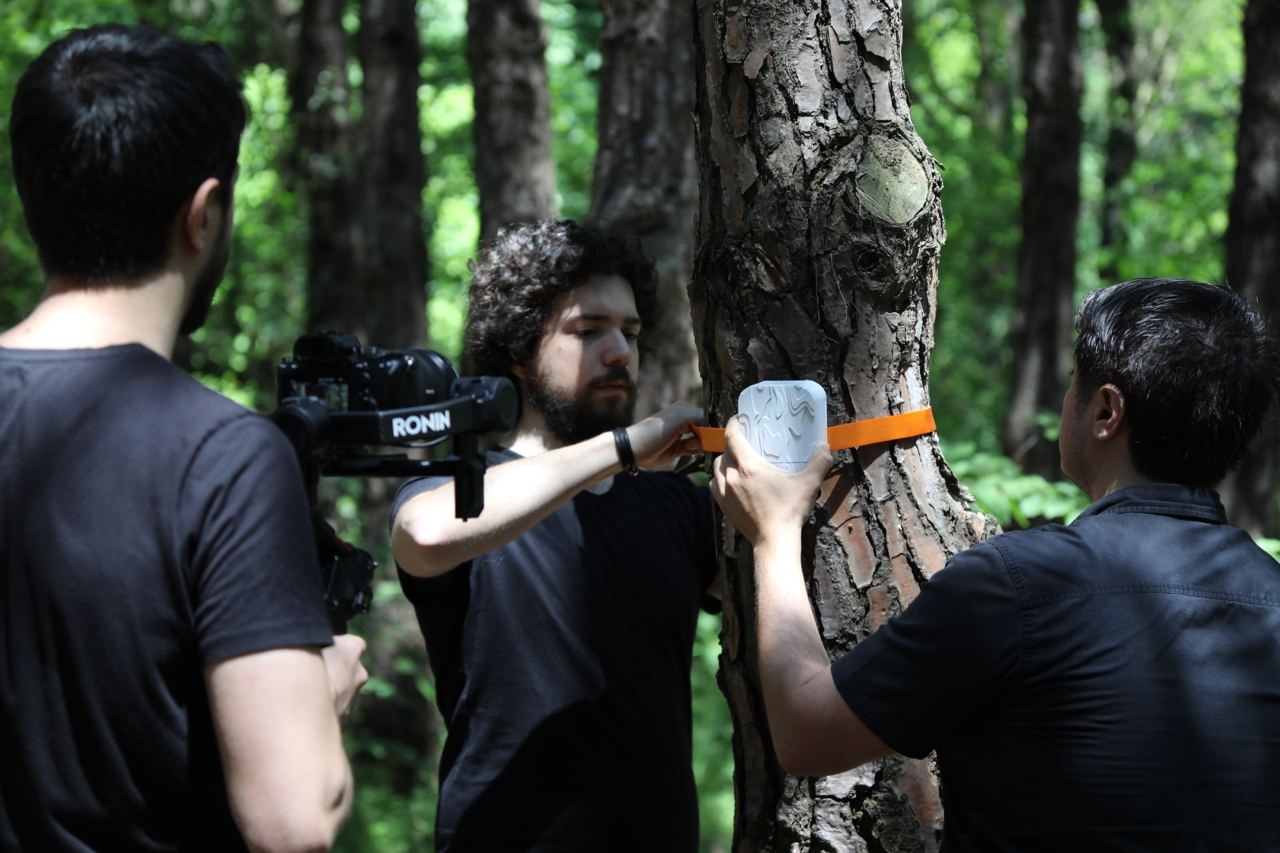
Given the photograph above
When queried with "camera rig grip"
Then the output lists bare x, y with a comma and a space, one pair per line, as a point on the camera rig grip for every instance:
330, 374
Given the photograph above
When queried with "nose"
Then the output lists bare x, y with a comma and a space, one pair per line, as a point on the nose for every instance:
617, 349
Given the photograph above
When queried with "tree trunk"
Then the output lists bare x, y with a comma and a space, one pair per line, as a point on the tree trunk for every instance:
515, 173
818, 239
367, 274
1122, 144
996, 28
646, 182
322, 101
393, 250
1041, 333
1253, 247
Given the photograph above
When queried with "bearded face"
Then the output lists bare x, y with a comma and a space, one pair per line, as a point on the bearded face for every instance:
582, 379
605, 402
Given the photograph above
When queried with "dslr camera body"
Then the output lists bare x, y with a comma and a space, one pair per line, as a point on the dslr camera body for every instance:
338, 399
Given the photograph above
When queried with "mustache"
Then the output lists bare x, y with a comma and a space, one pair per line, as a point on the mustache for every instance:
614, 374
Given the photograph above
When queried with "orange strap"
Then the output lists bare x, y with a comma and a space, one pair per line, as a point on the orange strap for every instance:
845, 436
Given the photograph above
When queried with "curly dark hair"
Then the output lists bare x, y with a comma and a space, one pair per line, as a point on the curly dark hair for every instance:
1197, 368
519, 275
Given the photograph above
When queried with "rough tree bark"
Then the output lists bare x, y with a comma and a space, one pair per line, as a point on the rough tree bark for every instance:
1122, 141
514, 170
646, 181
819, 232
1253, 247
1041, 333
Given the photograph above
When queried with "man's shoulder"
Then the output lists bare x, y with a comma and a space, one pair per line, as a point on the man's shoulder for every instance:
1023, 560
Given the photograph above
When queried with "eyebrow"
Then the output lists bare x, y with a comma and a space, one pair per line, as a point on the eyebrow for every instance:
604, 318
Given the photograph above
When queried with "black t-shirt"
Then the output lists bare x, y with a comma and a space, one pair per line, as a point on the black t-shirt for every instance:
1111, 685
562, 671
149, 528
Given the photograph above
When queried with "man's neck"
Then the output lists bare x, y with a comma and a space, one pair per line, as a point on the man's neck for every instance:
1114, 477
532, 436
72, 316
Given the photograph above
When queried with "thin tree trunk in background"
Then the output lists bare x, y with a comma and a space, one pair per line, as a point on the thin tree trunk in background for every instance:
1041, 333
367, 276
514, 169
393, 250
1122, 144
325, 161
996, 24
646, 182
819, 233
1253, 247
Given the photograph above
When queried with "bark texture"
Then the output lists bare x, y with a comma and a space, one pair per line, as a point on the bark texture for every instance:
819, 232
515, 173
1041, 333
646, 182
1122, 141
1253, 247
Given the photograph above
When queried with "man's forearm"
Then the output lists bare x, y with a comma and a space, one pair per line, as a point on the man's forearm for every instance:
428, 540
791, 650
814, 732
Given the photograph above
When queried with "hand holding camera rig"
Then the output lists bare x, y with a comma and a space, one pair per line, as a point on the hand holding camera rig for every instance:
338, 398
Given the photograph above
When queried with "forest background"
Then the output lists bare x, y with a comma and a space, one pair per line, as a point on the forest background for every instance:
1159, 99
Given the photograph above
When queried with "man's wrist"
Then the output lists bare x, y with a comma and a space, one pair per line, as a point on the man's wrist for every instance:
626, 456
777, 543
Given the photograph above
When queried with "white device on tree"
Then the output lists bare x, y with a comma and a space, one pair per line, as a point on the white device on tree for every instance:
784, 420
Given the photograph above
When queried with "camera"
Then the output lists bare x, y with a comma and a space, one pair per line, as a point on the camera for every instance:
338, 399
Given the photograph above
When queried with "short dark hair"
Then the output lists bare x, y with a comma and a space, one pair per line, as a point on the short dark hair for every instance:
112, 129
519, 275
1197, 368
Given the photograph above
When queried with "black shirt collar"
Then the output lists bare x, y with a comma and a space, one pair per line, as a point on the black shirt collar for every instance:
1162, 499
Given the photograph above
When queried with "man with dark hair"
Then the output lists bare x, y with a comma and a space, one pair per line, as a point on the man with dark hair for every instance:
560, 623
1113, 684
168, 679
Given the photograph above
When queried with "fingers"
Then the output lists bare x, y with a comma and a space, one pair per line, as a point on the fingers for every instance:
819, 463
735, 439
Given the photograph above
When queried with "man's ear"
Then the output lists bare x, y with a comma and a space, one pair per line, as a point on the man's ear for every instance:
519, 371
1109, 415
199, 221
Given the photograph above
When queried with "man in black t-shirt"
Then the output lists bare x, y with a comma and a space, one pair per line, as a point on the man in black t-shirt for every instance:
560, 622
168, 679
1106, 685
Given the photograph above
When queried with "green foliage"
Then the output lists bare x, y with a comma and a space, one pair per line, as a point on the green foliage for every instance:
383, 818
1271, 546
259, 309
1014, 498
573, 65
980, 201
450, 201
712, 739
1174, 204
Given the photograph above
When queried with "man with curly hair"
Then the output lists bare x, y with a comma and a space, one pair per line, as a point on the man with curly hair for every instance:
560, 623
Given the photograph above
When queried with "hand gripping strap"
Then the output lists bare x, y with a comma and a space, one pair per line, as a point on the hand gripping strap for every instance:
845, 436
